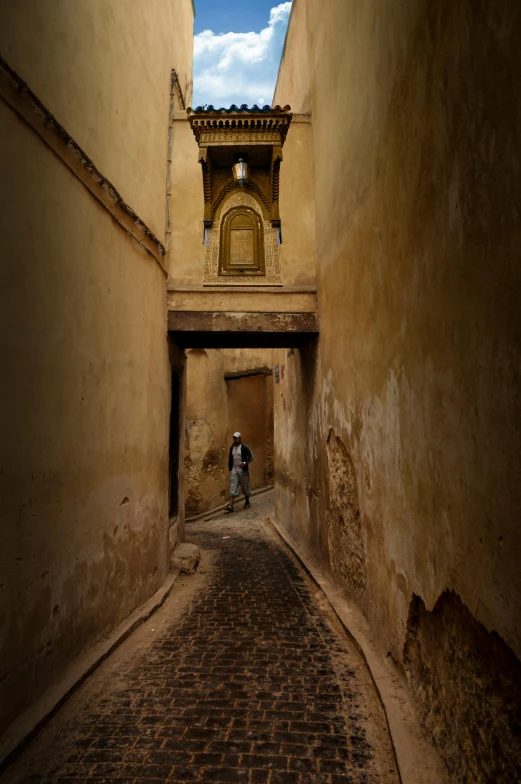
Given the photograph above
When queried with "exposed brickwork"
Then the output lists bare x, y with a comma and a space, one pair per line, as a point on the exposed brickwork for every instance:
245, 687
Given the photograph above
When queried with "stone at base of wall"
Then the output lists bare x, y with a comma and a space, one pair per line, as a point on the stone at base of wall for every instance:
173, 531
186, 558
418, 762
31, 721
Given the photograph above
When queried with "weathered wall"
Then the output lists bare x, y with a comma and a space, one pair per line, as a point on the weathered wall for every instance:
104, 71
206, 425
416, 128
85, 396
84, 406
227, 390
242, 360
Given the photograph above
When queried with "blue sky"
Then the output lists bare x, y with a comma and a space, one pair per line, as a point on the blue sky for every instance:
237, 50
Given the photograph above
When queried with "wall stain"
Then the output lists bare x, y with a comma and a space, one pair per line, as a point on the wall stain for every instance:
346, 548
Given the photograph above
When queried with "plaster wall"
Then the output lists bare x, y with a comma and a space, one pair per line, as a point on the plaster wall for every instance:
186, 252
227, 390
84, 406
294, 79
103, 68
243, 360
416, 128
206, 426
296, 299
297, 251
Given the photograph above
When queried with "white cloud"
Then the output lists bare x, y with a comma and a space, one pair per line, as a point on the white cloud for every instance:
239, 67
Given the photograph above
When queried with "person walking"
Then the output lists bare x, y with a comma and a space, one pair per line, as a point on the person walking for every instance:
238, 460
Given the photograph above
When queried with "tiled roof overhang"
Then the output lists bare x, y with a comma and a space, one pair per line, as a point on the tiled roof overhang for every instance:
218, 126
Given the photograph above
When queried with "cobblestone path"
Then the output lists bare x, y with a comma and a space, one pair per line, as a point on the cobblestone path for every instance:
250, 682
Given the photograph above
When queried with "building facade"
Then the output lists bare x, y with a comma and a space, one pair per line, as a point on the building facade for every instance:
397, 461
86, 95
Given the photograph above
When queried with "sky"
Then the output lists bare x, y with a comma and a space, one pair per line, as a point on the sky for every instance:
237, 50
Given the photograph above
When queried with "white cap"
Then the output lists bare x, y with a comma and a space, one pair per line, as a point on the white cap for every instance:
237, 435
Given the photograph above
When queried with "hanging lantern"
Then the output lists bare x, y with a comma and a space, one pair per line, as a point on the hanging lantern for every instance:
240, 172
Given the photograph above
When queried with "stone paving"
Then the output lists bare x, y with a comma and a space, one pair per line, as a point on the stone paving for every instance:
252, 682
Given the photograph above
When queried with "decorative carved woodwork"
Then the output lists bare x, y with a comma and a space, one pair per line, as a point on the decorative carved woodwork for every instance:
271, 275
228, 126
249, 187
258, 136
241, 250
206, 165
275, 178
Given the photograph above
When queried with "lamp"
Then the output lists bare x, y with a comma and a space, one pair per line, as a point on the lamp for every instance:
240, 172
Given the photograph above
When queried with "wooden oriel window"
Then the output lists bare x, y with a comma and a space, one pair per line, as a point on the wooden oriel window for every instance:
241, 250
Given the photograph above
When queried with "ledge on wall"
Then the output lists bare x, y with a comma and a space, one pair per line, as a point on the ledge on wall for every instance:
242, 299
203, 329
260, 371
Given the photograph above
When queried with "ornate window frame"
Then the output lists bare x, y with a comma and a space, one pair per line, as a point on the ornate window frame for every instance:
253, 222
270, 275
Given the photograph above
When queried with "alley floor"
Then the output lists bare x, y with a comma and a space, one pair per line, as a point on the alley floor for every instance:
244, 675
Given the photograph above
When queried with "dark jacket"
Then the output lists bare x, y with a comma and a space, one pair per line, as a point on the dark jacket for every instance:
246, 456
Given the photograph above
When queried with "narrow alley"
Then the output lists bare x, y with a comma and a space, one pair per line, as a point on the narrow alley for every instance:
285, 234
244, 675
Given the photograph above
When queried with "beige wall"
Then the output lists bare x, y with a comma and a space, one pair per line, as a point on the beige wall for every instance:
294, 80
297, 184
84, 406
85, 397
413, 389
186, 253
297, 251
241, 360
227, 390
104, 72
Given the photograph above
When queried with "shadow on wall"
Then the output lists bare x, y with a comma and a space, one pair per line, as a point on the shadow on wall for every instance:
308, 359
346, 548
467, 686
